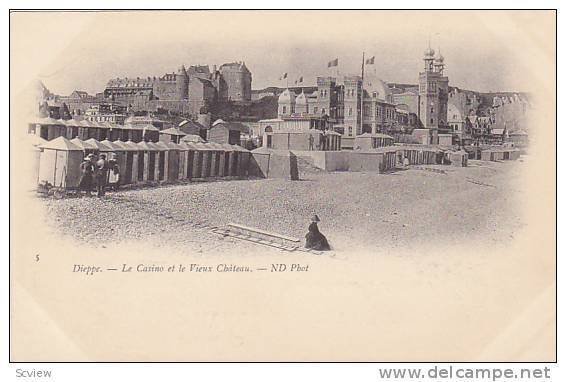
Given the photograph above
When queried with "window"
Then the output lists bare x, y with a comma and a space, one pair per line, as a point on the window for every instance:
323, 111
350, 131
315, 110
432, 120
284, 110
350, 112
432, 109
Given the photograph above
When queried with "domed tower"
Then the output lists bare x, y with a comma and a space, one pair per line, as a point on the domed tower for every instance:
433, 94
301, 104
439, 63
429, 59
286, 103
428, 92
182, 83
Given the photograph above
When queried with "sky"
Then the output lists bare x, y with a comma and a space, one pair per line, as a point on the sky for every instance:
483, 51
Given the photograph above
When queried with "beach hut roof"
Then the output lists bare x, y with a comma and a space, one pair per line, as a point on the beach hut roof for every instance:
132, 145
147, 127
173, 131
112, 145
236, 126
84, 144
183, 146
99, 145
127, 146
35, 140
129, 126
192, 138
173, 145
161, 146
46, 121
215, 146
201, 146
376, 135
61, 143
85, 123
228, 147
189, 145
145, 146
107, 125
239, 148
65, 122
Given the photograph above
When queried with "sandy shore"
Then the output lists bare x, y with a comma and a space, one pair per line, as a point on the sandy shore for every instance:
359, 211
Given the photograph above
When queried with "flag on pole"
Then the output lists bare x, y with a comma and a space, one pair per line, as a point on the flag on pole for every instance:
333, 63
299, 80
283, 76
370, 61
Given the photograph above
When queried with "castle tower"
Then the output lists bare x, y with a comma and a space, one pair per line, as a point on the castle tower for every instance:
182, 83
286, 104
238, 80
352, 105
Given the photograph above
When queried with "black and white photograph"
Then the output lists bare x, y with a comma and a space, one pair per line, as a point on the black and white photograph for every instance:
283, 186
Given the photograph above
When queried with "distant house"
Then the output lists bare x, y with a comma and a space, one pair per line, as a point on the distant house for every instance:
498, 135
171, 134
226, 132
193, 128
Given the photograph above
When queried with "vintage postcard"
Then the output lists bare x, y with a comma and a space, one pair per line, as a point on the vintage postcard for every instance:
283, 186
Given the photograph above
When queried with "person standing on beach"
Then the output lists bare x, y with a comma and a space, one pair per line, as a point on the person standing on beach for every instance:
87, 173
101, 175
114, 173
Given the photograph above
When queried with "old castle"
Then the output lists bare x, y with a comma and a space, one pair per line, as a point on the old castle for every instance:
189, 91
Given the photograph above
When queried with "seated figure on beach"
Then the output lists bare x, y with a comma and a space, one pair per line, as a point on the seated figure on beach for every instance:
314, 239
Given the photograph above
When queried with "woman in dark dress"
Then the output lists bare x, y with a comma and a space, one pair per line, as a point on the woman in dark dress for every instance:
87, 174
314, 239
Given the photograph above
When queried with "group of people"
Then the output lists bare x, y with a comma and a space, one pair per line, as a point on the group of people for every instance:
99, 173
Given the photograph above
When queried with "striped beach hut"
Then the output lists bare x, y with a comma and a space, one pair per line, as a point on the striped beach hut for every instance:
59, 163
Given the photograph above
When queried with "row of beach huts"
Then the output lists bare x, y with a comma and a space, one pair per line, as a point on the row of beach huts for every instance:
58, 161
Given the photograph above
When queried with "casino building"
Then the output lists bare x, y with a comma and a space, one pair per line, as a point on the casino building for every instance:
359, 104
